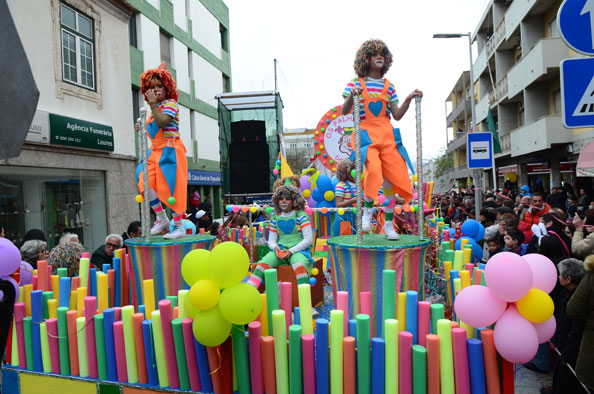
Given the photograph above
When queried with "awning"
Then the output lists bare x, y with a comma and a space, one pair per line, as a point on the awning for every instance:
585, 164
249, 100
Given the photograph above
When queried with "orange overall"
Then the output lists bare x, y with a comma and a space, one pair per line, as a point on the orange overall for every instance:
383, 161
167, 167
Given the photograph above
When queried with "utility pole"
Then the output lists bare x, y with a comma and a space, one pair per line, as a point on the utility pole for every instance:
275, 83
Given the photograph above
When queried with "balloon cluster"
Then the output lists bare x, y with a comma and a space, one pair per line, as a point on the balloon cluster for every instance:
10, 262
277, 167
323, 194
473, 232
217, 298
245, 209
515, 299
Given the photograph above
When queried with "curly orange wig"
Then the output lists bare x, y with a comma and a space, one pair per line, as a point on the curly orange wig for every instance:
162, 75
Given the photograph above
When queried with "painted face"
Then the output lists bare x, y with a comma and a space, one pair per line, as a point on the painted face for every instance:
376, 62
158, 87
285, 204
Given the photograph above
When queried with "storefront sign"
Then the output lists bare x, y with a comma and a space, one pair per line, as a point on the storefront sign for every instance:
538, 168
39, 131
196, 177
80, 133
501, 171
567, 167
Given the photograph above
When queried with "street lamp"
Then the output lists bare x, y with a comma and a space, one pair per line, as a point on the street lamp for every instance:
478, 197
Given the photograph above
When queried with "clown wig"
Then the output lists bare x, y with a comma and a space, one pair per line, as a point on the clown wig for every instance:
364, 53
162, 75
288, 193
344, 168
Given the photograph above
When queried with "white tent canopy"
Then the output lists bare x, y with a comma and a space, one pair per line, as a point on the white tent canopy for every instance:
248, 100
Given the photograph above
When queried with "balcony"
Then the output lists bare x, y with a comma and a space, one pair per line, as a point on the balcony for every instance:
539, 135
545, 55
516, 12
495, 39
459, 172
499, 93
458, 141
480, 64
463, 104
482, 108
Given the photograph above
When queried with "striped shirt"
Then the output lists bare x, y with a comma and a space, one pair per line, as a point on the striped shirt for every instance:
374, 88
342, 190
169, 107
302, 221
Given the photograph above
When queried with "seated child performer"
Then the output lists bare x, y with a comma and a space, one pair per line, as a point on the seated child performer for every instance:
382, 151
167, 165
345, 197
290, 237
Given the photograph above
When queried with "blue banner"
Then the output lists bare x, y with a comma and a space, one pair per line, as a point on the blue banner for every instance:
196, 177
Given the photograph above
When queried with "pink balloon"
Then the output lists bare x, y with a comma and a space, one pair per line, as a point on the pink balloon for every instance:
308, 210
508, 276
11, 257
544, 272
381, 198
545, 330
478, 307
26, 273
235, 208
515, 338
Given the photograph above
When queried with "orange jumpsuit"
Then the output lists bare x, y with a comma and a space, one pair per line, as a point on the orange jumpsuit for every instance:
379, 151
167, 167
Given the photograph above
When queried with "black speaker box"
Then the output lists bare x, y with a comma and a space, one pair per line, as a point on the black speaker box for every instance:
249, 167
248, 131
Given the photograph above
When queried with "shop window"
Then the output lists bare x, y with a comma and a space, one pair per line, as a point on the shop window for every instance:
78, 63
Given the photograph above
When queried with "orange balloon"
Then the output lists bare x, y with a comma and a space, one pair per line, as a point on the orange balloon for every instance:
406, 207
324, 210
245, 209
397, 209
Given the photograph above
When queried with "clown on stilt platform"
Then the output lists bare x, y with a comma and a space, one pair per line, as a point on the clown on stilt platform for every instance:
167, 165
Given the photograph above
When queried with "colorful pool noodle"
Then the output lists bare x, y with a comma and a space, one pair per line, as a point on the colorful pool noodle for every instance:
203, 369
28, 331
227, 370
462, 376
162, 370
391, 334
286, 303
117, 296
419, 369
295, 360
476, 366
148, 297
263, 317
476, 277
151, 367
507, 377
63, 341
120, 351
190, 353
81, 339
71, 317
309, 369
366, 309
405, 344
19, 315
130, 344
465, 278
458, 259
111, 287
424, 321
305, 312
412, 298
74, 283
81, 293
437, 313
363, 353
378, 358
280, 351
37, 319
447, 268
45, 351
322, 360
453, 275
467, 257
14, 351
490, 359
180, 353
83, 272
342, 304
181, 297
268, 364
433, 385
52, 308
349, 380
125, 277
93, 282
46, 296
54, 349
270, 281
73, 301
100, 346
388, 297
42, 278
255, 338
90, 310
446, 360
109, 318
166, 318
336, 353
137, 319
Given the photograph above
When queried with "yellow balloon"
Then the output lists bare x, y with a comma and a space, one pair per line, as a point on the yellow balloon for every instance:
307, 193
414, 178
240, 303
315, 271
195, 266
228, 264
536, 306
340, 211
204, 294
254, 209
210, 327
139, 198
329, 195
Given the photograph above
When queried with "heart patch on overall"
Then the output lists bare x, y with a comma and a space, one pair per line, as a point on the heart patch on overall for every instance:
286, 226
376, 108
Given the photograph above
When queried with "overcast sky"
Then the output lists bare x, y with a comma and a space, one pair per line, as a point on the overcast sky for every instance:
315, 44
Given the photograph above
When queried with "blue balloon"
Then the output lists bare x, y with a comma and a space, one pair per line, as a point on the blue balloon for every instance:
324, 183
334, 182
187, 225
477, 251
481, 233
317, 195
470, 228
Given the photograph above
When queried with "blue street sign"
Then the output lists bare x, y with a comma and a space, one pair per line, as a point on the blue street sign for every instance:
480, 150
577, 92
576, 24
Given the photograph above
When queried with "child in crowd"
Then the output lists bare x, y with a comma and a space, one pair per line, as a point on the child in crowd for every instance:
513, 239
382, 152
290, 237
345, 197
167, 164
493, 246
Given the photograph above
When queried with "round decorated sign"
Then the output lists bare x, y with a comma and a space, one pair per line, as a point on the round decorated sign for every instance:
332, 138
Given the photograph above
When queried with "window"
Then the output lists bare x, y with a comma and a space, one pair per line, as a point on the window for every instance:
135, 104
224, 41
165, 49
77, 48
226, 84
190, 64
132, 32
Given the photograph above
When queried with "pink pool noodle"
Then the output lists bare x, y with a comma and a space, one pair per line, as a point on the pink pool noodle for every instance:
342, 303
90, 310
52, 331
309, 365
365, 308
424, 321
286, 302
19, 315
461, 373
405, 343
120, 352
166, 317
255, 338
191, 354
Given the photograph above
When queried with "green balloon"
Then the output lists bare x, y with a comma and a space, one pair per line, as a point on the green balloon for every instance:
171, 200
228, 264
210, 327
354, 211
353, 173
240, 303
268, 210
189, 307
195, 266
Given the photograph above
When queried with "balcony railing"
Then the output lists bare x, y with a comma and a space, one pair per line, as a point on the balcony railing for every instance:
495, 39
499, 93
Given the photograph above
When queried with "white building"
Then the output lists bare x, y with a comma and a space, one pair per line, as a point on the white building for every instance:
191, 36
73, 174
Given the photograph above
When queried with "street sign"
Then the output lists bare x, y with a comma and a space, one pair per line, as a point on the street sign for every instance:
576, 24
577, 92
480, 150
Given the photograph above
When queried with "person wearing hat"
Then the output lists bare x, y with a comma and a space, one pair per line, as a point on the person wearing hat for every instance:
525, 191
203, 219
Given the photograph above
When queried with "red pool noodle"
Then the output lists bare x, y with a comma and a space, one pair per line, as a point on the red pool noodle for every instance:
71, 317
118, 337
